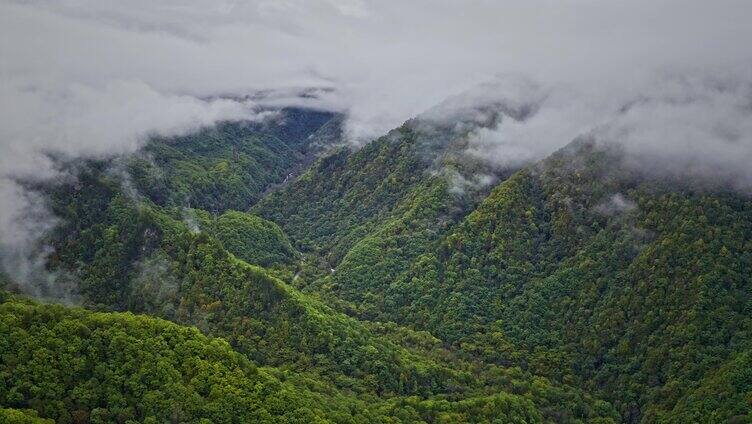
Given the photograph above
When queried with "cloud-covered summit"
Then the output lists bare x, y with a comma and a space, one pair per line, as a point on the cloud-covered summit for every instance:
386, 61
91, 78
686, 124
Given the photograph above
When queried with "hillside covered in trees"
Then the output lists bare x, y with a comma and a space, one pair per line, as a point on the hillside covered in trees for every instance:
266, 273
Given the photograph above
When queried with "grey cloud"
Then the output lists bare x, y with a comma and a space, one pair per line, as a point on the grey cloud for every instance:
614, 205
388, 60
697, 126
690, 124
84, 121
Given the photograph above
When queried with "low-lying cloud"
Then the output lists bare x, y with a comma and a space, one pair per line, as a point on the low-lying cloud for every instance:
692, 124
696, 126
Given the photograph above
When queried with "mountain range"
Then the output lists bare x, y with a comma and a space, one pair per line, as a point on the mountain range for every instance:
273, 272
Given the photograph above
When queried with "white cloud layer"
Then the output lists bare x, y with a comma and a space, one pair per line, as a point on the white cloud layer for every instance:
388, 60
690, 124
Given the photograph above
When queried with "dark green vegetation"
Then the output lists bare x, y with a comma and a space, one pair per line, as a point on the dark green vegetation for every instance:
74, 365
394, 283
369, 213
137, 256
229, 166
640, 300
250, 238
576, 268
22, 416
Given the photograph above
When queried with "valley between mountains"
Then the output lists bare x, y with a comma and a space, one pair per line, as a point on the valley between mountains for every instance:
271, 272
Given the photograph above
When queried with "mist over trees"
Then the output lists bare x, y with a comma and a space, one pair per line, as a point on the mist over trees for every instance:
356, 211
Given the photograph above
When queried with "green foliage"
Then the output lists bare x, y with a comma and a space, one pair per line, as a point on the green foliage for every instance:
350, 194
641, 302
252, 239
576, 268
366, 215
22, 416
226, 167
167, 270
725, 396
502, 408
377, 259
189, 277
76, 366
575, 291
273, 324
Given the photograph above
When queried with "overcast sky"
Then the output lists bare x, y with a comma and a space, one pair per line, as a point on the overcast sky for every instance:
95, 77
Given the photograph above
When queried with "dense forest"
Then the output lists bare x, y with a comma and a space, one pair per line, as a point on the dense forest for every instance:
265, 272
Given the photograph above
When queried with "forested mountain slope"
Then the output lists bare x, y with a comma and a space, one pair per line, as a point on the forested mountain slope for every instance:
350, 193
249, 237
574, 290
369, 212
76, 366
124, 252
581, 268
639, 288
138, 257
231, 165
